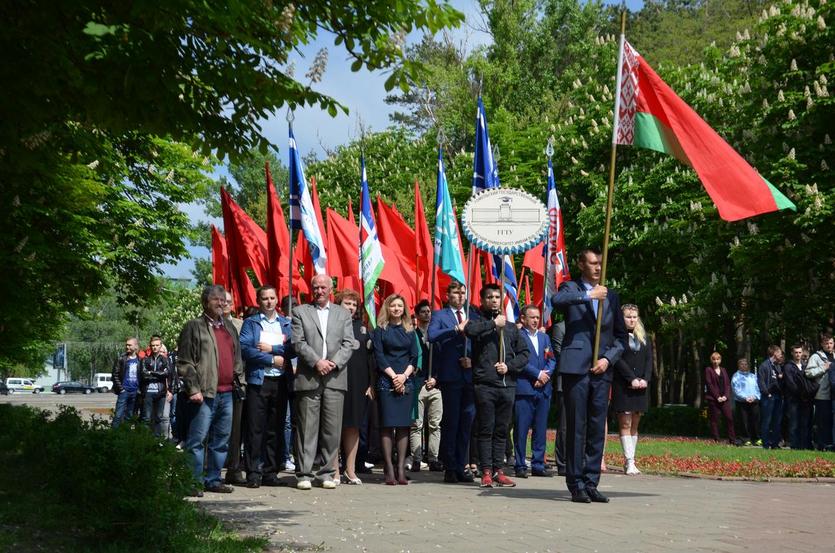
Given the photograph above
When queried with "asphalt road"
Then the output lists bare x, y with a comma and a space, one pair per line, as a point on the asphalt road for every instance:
90, 404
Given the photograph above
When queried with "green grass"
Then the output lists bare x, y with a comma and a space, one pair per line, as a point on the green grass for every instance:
681, 447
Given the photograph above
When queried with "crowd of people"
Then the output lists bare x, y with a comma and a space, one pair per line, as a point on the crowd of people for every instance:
315, 390
797, 389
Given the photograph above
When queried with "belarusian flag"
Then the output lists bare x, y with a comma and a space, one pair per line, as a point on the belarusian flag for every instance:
650, 115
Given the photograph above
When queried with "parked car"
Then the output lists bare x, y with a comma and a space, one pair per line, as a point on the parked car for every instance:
103, 382
72, 388
4, 390
23, 386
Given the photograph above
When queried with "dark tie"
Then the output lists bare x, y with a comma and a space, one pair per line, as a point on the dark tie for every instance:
460, 318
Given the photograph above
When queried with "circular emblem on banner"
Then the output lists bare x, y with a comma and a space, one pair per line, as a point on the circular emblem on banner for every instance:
504, 220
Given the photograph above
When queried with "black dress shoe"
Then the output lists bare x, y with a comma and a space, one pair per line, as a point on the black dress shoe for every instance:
235, 478
466, 476
596, 496
436, 466
449, 477
415, 466
270, 480
521, 473
580, 496
220, 488
363, 469
253, 481
542, 473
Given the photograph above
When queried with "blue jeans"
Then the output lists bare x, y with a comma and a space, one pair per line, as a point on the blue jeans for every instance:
211, 419
771, 420
125, 403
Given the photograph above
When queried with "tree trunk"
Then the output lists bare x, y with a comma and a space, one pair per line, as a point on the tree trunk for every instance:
658, 370
697, 374
680, 367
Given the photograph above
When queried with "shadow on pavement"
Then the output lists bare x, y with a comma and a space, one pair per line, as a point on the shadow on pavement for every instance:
552, 495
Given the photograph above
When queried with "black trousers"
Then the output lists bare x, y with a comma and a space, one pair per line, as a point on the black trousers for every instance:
266, 411
586, 404
799, 414
494, 408
750, 415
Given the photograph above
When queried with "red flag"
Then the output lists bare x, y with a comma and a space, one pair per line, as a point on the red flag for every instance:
278, 244
535, 262
343, 248
246, 244
220, 259
396, 233
650, 115
351, 212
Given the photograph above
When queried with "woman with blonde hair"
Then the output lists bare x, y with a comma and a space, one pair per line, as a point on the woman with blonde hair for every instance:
630, 385
395, 352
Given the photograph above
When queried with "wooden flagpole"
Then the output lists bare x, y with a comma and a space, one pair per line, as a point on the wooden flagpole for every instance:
611, 193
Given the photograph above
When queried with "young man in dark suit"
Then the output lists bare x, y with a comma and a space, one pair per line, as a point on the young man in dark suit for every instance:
586, 381
452, 371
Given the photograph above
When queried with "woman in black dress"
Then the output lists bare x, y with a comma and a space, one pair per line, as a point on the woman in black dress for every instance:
395, 352
630, 392
360, 385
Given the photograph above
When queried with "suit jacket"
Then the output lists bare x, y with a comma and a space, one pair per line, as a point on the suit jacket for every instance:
715, 388
447, 348
197, 357
542, 361
307, 336
580, 323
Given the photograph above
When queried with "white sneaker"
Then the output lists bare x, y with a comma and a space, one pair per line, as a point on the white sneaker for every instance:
369, 465
329, 484
303, 485
289, 466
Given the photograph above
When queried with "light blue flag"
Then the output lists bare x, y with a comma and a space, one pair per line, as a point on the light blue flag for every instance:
447, 243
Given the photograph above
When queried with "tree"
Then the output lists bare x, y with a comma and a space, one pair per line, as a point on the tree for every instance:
104, 118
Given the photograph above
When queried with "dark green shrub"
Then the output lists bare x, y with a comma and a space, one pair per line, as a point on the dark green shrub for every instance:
675, 420
96, 489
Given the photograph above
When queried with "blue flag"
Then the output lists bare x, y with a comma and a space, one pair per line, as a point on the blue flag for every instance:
447, 243
302, 214
485, 169
486, 175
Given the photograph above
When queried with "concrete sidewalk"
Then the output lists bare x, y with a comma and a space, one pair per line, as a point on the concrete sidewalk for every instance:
646, 514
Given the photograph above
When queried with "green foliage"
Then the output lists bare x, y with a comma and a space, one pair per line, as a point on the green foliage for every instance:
182, 305
97, 489
102, 121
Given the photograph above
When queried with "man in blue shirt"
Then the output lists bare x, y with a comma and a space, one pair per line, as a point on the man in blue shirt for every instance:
747, 398
265, 345
126, 381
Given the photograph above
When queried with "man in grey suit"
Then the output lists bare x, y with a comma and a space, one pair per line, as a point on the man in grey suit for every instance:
323, 338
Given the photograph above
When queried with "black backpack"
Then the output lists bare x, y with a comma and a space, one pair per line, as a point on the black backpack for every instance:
808, 388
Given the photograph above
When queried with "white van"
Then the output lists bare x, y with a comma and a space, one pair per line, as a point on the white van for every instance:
103, 382
23, 386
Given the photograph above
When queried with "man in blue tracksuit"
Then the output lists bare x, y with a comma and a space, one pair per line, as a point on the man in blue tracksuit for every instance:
533, 396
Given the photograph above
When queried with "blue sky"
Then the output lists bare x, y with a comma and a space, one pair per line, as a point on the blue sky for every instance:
362, 93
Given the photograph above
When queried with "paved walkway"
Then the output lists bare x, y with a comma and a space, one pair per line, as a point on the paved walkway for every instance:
647, 514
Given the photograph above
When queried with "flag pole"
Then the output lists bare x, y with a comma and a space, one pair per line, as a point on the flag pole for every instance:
549, 153
290, 118
611, 193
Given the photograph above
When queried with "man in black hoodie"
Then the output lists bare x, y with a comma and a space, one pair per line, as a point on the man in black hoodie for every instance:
494, 379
